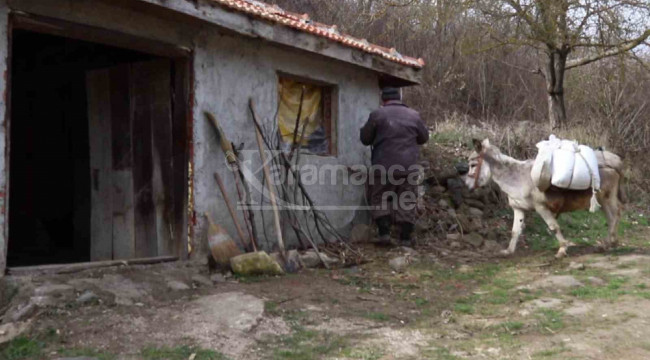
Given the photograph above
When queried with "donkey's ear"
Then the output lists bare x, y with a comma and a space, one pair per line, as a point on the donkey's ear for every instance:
478, 146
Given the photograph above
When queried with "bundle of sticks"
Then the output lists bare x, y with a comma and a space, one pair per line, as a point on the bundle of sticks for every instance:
296, 207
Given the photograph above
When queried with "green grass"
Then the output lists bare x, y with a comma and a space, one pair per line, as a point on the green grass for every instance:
581, 228
439, 354
21, 348
550, 319
363, 353
304, 344
86, 352
179, 353
421, 302
512, 326
611, 291
464, 308
271, 308
377, 316
549, 353
452, 138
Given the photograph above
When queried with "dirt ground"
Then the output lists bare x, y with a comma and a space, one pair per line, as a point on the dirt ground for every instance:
590, 306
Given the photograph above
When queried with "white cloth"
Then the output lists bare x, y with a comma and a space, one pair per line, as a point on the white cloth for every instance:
566, 165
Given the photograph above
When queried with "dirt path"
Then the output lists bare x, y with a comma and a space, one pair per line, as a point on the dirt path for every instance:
594, 306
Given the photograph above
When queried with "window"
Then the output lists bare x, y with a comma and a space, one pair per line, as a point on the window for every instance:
314, 132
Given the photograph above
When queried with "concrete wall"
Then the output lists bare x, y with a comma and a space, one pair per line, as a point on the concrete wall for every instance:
229, 69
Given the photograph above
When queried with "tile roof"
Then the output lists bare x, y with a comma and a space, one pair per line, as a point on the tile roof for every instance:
303, 23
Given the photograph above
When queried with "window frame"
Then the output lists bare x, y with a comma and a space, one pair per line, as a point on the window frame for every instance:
330, 112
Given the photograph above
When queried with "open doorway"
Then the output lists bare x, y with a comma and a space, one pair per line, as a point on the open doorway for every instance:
92, 152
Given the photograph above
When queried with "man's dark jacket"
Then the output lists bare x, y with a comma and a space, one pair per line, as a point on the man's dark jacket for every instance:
394, 131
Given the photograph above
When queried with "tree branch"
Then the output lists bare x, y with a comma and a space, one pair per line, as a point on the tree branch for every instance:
622, 48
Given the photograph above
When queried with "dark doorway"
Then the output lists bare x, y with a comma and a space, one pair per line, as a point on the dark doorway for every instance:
53, 182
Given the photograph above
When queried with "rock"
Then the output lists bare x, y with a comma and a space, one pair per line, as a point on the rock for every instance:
576, 266
176, 285
86, 297
361, 233
524, 312
492, 246
257, 263
557, 281
226, 312
474, 239
42, 301
453, 237
455, 245
293, 264
463, 220
311, 260
409, 251
475, 224
398, 264
596, 281
438, 189
626, 272
492, 235
443, 203
475, 203
543, 303
53, 289
8, 289
578, 309
424, 224
10, 331
125, 291
455, 187
201, 280
217, 278
21, 312
475, 212
465, 269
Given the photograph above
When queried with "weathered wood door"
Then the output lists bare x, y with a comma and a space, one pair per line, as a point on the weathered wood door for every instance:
131, 162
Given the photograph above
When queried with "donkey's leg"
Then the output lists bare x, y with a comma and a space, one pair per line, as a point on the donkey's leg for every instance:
612, 210
517, 228
549, 218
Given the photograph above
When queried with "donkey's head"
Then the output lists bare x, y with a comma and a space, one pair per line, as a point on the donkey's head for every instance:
479, 170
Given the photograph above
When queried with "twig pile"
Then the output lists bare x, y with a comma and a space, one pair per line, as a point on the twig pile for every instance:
297, 206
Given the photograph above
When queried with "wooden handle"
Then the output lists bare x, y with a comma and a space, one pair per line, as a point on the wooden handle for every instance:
267, 176
231, 209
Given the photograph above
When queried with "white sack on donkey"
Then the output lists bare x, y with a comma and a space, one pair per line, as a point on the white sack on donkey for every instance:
566, 165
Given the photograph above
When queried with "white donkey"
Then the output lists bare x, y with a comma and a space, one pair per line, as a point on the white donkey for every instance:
513, 177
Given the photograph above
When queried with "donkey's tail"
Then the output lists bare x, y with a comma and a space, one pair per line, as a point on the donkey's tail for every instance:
622, 194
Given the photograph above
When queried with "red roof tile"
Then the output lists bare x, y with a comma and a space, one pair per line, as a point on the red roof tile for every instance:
302, 23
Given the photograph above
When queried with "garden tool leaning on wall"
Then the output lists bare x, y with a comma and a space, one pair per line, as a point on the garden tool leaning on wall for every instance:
233, 163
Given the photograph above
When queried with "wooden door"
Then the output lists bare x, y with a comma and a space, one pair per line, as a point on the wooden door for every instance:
132, 204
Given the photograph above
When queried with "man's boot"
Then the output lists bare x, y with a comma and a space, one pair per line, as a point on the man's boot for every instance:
406, 236
383, 226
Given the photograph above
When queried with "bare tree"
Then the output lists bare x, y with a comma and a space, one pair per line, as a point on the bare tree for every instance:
570, 33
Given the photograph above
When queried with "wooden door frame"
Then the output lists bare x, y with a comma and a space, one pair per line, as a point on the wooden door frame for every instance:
182, 88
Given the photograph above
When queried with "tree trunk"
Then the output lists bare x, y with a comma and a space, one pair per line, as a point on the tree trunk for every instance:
555, 70
556, 110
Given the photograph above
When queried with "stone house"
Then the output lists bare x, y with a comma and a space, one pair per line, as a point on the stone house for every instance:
108, 154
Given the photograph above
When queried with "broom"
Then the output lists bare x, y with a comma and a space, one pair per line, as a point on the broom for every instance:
221, 244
